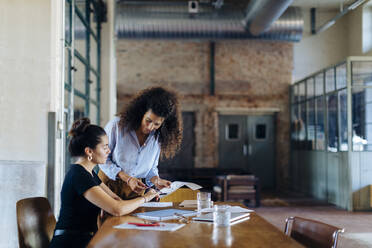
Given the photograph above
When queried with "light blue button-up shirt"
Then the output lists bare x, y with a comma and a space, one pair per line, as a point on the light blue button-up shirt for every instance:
128, 156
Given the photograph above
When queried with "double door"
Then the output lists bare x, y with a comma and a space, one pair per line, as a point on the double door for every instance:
247, 143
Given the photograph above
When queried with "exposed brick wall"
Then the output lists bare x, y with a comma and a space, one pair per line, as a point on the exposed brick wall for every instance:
248, 74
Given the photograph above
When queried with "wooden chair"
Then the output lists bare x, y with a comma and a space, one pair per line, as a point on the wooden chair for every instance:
180, 195
238, 187
35, 221
312, 233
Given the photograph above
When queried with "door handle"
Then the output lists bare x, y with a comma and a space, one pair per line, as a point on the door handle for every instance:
245, 150
250, 149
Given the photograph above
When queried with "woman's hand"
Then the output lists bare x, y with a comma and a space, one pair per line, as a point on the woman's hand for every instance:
136, 185
150, 195
162, 183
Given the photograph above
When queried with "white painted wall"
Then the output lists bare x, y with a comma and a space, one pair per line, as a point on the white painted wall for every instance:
316, 52
355, 27
343, 39
30, 87
25, 73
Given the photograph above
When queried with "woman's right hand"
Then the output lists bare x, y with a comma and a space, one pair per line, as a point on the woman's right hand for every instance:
150, 195
136, 185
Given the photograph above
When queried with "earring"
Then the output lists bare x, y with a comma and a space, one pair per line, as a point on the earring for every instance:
90, 158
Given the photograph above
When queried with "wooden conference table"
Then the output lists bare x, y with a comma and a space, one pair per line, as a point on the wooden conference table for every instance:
253, 232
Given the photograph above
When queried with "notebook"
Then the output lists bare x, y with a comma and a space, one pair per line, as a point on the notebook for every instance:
208, 217
162, 227
165, 214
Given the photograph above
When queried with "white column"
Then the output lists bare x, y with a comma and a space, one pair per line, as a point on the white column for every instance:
108, 66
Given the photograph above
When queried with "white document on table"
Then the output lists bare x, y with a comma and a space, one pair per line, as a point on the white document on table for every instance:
237, 209
162, 227
232, 209
176, 185
157, 204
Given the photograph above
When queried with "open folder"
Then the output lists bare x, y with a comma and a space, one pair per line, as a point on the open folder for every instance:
165, 214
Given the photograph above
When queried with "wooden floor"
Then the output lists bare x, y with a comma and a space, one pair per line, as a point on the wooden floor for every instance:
357, 225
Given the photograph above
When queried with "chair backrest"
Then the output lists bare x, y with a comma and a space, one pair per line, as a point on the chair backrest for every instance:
180, 195
312, 233
35, 221
248, 180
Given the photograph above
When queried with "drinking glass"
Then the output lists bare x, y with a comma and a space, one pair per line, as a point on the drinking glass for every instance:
204, 200
221, 215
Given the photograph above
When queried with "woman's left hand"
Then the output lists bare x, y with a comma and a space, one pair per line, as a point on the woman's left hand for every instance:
162, 183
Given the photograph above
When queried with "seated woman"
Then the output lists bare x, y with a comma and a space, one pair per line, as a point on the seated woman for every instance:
83, 194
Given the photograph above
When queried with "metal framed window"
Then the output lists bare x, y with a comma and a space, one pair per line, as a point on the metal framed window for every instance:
82, 63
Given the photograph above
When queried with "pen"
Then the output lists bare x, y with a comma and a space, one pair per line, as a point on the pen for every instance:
143, 224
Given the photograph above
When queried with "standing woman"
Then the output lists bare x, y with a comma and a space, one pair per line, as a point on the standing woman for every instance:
149, 128
83, 194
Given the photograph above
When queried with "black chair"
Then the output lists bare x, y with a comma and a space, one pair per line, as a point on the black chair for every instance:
312, 233
35, 221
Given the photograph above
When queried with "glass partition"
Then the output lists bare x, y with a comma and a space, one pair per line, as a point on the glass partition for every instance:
362, 105
332, 102
320, 108
330, 80
311, 125
320, 130
319, 84
341, 76
301, 91
343, 120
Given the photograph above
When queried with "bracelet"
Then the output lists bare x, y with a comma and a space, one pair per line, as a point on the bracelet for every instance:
144, 199
129, 179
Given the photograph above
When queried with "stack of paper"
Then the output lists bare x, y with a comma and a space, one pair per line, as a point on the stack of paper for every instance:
162, 227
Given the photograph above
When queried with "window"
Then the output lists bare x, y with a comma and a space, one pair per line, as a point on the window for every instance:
319, 86
341, 76
82, 60
332, 113
319, 131
362, 119
232, 131
302, 91
343, 120
302, 126
310, 88
311, 124
260, 132
330, 80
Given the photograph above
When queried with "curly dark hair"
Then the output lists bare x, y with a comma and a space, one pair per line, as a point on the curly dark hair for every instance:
163, 103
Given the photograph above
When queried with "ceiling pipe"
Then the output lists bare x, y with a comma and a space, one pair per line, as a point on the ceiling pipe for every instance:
261, 14
328, 24
172, 20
